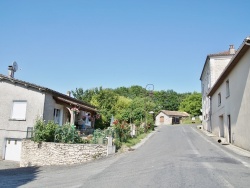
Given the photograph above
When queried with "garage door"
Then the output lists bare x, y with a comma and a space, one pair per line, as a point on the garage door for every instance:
13, 149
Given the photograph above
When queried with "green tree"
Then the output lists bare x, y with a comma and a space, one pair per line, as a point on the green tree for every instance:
122, 108
105, 100
192, 104
86, 95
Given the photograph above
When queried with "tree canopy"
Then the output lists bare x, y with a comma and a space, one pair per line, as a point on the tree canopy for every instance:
133, 104
192, 104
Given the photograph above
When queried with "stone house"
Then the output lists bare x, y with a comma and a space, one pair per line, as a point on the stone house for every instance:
22, 103
166, 117
230, 96
212, 69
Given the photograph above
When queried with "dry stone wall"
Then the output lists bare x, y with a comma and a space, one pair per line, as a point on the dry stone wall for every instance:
48, 153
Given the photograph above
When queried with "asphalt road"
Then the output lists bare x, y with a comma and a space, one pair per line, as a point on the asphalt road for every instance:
175, 156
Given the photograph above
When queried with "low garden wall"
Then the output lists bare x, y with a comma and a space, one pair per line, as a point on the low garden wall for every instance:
49, 153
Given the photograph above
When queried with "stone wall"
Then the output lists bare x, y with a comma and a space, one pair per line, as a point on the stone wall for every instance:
48, 153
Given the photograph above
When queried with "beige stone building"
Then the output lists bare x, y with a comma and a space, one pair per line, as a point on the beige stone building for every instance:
166, 117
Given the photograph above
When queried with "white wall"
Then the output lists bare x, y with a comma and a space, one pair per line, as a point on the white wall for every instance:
237, 105
212, 70
17, 129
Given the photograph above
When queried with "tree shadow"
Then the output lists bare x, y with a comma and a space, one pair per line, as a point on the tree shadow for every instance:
16, 177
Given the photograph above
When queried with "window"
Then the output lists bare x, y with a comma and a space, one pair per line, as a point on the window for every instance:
19, 110
227, 89
57, 116
219, 99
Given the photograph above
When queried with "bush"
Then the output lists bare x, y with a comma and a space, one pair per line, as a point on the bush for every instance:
67, 134
52, 132
121, 131
44, 132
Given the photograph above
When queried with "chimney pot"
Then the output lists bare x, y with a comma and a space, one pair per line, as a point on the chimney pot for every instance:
11, 71
69, 93
231, 49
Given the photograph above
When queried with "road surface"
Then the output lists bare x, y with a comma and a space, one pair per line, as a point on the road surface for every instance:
174, 156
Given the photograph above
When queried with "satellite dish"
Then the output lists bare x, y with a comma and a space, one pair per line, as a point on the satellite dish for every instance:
15, 66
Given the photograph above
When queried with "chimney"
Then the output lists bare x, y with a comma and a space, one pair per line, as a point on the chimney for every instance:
11, 72
69, 93
231, 49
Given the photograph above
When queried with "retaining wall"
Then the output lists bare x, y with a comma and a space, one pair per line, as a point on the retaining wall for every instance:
48, 153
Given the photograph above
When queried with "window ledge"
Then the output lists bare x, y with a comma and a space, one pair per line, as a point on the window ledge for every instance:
17, 119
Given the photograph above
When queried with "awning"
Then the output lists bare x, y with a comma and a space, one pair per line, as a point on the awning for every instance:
74, 104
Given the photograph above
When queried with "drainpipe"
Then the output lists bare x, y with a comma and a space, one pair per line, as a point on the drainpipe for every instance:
210, 113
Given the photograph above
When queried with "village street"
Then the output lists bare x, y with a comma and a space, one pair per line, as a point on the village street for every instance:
174, 156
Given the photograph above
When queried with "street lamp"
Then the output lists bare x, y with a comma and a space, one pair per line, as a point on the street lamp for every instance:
150, 88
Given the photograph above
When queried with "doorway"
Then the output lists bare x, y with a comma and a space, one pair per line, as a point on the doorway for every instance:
229, 128
221, 126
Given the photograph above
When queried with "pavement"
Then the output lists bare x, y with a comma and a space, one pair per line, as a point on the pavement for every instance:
221, 140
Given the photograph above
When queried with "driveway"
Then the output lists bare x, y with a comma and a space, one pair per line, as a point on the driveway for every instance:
8, 164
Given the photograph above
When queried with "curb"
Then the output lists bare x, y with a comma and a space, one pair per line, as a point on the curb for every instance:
223, 142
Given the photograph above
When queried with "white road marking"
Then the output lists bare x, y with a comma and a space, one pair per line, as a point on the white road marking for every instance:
228, 154
208, 166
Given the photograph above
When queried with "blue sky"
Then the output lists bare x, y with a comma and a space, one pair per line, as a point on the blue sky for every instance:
68, 44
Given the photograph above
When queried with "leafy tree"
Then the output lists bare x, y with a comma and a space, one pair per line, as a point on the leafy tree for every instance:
192, 104
105, 101
122, 111
167, 100
86, 95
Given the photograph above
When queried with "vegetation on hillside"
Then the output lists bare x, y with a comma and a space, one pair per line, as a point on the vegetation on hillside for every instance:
133, 104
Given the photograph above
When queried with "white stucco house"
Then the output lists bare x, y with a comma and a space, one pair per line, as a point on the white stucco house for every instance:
166, 117
230, 100
212, 69
22, 103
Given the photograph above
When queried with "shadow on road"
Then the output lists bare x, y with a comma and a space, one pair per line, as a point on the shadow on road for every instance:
16, 177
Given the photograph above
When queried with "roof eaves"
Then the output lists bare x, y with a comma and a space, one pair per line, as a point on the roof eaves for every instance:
44, 89
233, 62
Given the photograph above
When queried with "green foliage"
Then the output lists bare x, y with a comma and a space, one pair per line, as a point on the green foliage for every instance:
52, 132
132, 104
105, 101
192, 104
86, 95
44, 132
67, 134
135, 140
189, 120
121, 131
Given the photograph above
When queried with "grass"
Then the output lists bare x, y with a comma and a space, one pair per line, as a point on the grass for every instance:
133, 141
189, 121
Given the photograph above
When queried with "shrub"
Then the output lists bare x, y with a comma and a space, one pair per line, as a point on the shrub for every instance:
44, 132
121, 131
67, 134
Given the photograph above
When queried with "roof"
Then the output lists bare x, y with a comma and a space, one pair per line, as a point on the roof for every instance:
56, 95
219, 54
175, 113
233, 62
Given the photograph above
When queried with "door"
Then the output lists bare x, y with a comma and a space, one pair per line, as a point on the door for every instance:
229, 128
13, 149
221, 126
162, 119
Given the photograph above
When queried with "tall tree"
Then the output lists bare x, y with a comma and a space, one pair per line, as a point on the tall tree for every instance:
192, 104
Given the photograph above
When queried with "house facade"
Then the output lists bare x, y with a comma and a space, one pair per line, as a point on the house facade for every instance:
23, 103
213, 67
230, 98
166, 117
